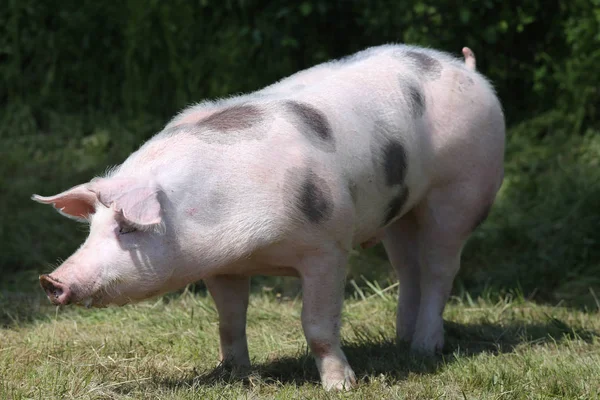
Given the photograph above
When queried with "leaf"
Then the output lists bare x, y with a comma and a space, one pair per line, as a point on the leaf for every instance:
306, 8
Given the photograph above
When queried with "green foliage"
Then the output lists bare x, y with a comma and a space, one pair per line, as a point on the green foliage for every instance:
578, 77
542, 234
155, 57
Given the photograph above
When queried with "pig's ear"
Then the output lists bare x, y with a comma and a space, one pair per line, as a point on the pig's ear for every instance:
76, 203
136, 200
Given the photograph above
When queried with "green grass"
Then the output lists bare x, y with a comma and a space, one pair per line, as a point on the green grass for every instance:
167, 348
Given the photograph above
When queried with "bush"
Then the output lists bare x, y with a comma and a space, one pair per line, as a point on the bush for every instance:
542, 235
155, 57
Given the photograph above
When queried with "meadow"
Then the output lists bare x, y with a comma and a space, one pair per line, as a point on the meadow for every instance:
81, 87
508, 348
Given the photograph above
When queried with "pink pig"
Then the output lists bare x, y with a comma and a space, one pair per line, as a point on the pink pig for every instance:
395, 142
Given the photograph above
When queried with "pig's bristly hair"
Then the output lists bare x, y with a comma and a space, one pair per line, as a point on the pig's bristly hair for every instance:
110, 171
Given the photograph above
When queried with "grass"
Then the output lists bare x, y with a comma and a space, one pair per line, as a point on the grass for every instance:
167, 349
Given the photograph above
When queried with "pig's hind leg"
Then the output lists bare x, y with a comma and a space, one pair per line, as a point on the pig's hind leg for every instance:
444, 220
231, 293
401, 246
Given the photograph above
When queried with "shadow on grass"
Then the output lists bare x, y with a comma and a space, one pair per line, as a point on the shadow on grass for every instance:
373, 356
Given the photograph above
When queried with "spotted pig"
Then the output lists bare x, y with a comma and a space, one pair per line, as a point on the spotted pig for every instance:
395, 143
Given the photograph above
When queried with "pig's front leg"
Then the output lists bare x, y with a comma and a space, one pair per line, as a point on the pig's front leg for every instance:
323, 292
231, 298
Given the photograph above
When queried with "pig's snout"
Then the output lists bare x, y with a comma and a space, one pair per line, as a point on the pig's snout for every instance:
57, 292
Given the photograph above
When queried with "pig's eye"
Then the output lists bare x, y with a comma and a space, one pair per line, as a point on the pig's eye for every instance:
126, 229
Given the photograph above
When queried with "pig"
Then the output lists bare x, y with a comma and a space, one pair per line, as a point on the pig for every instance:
396, 143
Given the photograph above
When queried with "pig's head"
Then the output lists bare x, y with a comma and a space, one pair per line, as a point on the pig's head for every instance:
128, 254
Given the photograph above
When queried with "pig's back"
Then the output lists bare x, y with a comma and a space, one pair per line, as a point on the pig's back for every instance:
390, 123
362, 142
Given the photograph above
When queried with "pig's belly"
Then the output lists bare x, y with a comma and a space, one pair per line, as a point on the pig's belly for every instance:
270, 271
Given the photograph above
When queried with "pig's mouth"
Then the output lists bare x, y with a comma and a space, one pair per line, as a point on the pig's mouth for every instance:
60, 293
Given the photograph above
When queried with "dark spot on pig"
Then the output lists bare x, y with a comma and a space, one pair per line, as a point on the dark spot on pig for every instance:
482, 217
315, 200
395, 206
394, 163
428, 66
320, 348
416, 100
234, 118
413, 95
388, 155
313, 124
230, 126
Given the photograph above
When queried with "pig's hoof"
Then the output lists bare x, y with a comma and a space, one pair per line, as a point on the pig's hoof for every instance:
241, 372
428, 346
336, 382
236, 370
404, 335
